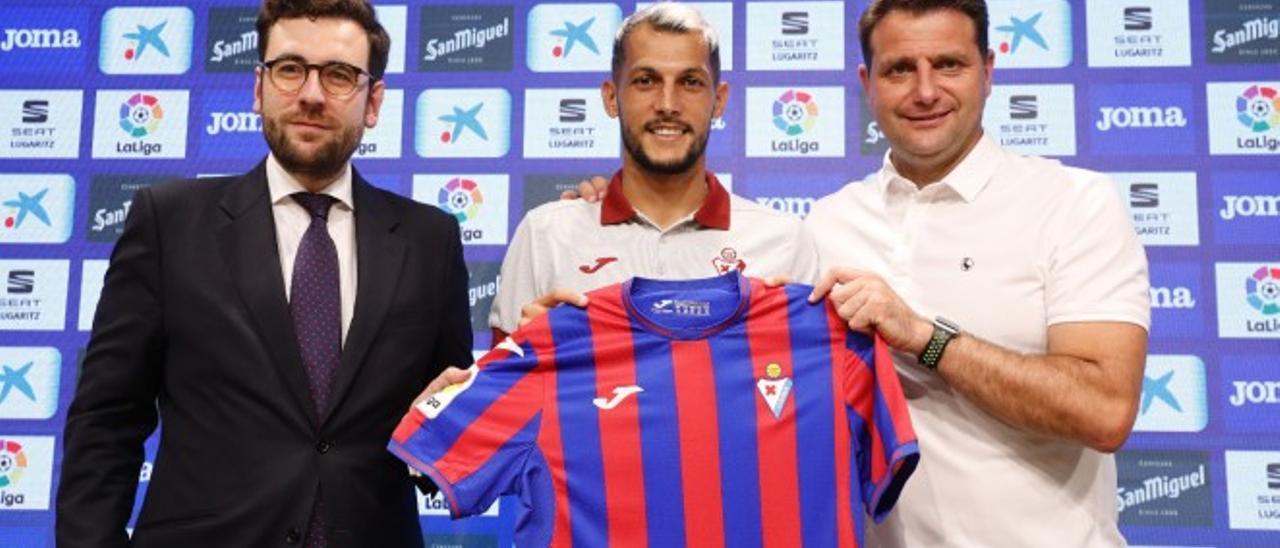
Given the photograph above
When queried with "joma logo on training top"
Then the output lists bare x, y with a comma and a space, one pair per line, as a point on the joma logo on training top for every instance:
1249, 206
1144, 117
1255, 392
1172, 297
233, 122
40, 38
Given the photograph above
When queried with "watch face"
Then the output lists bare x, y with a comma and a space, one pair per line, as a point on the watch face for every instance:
946, 325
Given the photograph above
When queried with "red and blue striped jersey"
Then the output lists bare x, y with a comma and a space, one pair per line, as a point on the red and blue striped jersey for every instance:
699, 413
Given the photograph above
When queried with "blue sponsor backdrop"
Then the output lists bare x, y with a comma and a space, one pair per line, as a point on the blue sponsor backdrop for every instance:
1179, 99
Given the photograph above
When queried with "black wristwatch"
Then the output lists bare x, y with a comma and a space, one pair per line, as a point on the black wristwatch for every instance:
943, 331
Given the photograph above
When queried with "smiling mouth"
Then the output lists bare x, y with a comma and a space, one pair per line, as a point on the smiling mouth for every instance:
667, 130
925, 118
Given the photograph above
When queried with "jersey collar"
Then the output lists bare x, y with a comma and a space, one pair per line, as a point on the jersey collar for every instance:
714, 212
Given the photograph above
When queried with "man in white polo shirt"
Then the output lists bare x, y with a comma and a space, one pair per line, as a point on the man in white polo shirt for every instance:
1019, 395
665, 216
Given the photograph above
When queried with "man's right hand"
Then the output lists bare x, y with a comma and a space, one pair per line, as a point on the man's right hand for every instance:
591, 191
450, 376
546, 302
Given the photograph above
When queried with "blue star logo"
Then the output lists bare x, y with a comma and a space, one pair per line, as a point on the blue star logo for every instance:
16, 378
148, 37
574, 34
1153, 389
1023, 29
29, 204
463, 119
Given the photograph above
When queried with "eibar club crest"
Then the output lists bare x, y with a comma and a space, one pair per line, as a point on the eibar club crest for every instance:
728, 261
775, 388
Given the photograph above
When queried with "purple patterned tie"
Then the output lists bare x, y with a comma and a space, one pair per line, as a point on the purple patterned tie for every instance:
316, 305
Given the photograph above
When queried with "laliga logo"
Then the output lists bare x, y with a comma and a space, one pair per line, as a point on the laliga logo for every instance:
13, 462
140, 116
462, 198
1258, 109
794, 113
39, 39
1262, 292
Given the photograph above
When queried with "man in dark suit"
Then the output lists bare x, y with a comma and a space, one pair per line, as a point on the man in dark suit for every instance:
277, 324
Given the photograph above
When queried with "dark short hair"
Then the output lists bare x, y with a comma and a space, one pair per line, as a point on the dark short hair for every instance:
975, 10
668, 17
360, 11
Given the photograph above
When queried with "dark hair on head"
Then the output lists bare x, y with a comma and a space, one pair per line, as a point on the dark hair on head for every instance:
360, 11
668, 17
975, 10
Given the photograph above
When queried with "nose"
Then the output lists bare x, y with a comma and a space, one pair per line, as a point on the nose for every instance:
312, 93
668, 103
926, 84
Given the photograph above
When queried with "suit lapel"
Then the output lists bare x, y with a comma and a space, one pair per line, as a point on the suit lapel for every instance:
253, 261
379, 256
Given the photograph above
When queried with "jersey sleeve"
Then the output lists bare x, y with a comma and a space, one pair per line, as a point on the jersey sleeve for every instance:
884, 440
473, 439
519, 283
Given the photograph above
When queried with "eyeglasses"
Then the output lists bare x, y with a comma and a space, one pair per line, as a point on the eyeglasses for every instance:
338, 79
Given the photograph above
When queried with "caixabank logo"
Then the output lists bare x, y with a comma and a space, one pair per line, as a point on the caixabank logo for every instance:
1244, 117
36, 208
26, 472
790, 36
1164, 488
1033, 119
110, 197
720, 15
40, 123
1174, 397
463, 123
482, 286
1253, 490
1162, 205
795, 121
383, 140
461, 38
571, 37
34, 294
93, 273
1242, 31
1246, 207
478, 201
1030, 33
1250, 394
569, 123
1149, 33
1177, 310
29, 382
140, 124
42, 40
228, 126
1153, 119
150, 40
231, 44
1248, 300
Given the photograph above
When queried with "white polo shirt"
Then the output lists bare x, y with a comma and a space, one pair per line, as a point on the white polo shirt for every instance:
576, 245
1005, 246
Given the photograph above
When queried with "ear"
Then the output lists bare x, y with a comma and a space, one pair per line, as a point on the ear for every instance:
609, 94
257, 90
864, 77
989, 65
722, 99
371, 109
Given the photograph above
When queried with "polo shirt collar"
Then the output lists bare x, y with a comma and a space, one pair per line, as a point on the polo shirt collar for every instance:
714, 212
967, 179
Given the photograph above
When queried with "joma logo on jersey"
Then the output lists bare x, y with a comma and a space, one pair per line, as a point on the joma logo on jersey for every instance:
1255, 392
1172, 297
1249, 206
1140, 117
39, 39
233, 122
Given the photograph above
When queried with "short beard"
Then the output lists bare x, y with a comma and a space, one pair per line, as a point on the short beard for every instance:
329, 159
650, 165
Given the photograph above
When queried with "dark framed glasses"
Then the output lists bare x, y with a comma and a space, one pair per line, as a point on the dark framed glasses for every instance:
338, 79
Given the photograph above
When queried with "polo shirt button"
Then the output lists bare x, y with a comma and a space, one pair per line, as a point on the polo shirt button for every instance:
293, 536
323, 447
